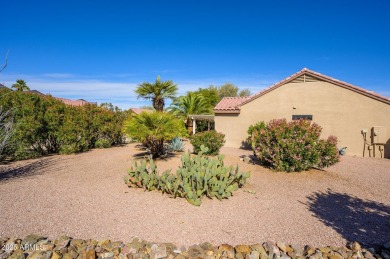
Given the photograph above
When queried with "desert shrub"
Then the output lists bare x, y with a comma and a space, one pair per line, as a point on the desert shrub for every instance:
103, 143
293, 146
152, 129
329, 153
176, 145
255, 127
211, 139
45, 125
197, 177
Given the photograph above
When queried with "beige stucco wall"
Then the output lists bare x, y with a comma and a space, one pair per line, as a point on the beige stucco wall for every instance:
341, 112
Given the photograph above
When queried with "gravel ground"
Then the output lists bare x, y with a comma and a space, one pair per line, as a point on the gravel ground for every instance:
84, 196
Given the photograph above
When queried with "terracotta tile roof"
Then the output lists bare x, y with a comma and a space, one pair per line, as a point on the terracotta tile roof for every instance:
139, 110
310, 73
230, 104
79, 102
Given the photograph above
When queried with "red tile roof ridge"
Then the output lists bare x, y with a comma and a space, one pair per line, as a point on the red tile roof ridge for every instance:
230, 103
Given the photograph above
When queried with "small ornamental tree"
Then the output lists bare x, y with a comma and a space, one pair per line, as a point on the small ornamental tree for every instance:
292, 146
153, 129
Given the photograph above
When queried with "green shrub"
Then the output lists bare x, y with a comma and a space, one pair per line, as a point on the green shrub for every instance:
329, 153
211, 139
197, 177
103, 143
293, 146
45, 125
255, 127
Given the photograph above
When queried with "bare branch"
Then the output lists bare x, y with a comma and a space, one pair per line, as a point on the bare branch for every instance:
6, 62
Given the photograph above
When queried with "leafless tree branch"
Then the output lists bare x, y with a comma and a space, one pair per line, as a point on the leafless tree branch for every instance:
6, 62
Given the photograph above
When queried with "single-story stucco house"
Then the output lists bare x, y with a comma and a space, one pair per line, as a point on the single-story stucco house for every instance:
360, 119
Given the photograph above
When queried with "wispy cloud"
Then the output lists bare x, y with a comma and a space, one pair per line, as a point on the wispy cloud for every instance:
117, 88
58, 75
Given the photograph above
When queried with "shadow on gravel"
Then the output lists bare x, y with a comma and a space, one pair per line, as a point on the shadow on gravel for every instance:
11, 172
364, 221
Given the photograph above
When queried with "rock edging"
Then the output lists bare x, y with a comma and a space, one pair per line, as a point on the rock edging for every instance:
38, 247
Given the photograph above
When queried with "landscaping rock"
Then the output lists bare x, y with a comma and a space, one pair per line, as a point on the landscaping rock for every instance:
247, 159
158, 251
103, 243
243, 249
226, 250
39, 255
89, 254
92, 249
207, 246
62, 242
336, 256
17, 254
354, 246
79, 244
325, 250
3, 240
254, 255
271, 249
195, 251
56, 255
298, 250
4, 255
282, 246
31, 240
73, 253
284, 256
309, 250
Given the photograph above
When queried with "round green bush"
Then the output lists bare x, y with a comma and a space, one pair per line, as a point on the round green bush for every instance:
211, 139
293, 146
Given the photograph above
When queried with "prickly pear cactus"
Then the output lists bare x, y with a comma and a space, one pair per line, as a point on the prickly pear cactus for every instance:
198, 176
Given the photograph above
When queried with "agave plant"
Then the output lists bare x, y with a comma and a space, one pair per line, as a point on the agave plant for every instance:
176, 145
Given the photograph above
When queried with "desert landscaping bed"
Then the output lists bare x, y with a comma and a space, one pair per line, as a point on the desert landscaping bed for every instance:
84, 196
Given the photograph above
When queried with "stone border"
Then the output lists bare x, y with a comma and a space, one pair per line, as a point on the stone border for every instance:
38, 247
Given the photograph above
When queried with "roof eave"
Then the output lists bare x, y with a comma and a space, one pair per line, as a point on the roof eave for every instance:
226, 111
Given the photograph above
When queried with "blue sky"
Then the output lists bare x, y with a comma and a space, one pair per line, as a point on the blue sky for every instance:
101, 50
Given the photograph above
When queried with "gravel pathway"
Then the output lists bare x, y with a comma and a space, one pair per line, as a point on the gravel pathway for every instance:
84, 196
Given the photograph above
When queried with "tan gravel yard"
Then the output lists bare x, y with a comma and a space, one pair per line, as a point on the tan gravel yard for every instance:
84, 196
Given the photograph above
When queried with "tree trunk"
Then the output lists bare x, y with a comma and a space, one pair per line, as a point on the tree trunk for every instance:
158, 104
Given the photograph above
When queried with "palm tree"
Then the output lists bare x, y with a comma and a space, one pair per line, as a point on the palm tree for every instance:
157, 92
190, 104
20, 85
153, 128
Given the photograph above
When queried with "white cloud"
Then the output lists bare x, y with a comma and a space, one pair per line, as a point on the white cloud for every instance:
58, 75
119, 93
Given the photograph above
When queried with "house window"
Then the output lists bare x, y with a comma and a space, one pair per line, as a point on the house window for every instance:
302, 117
